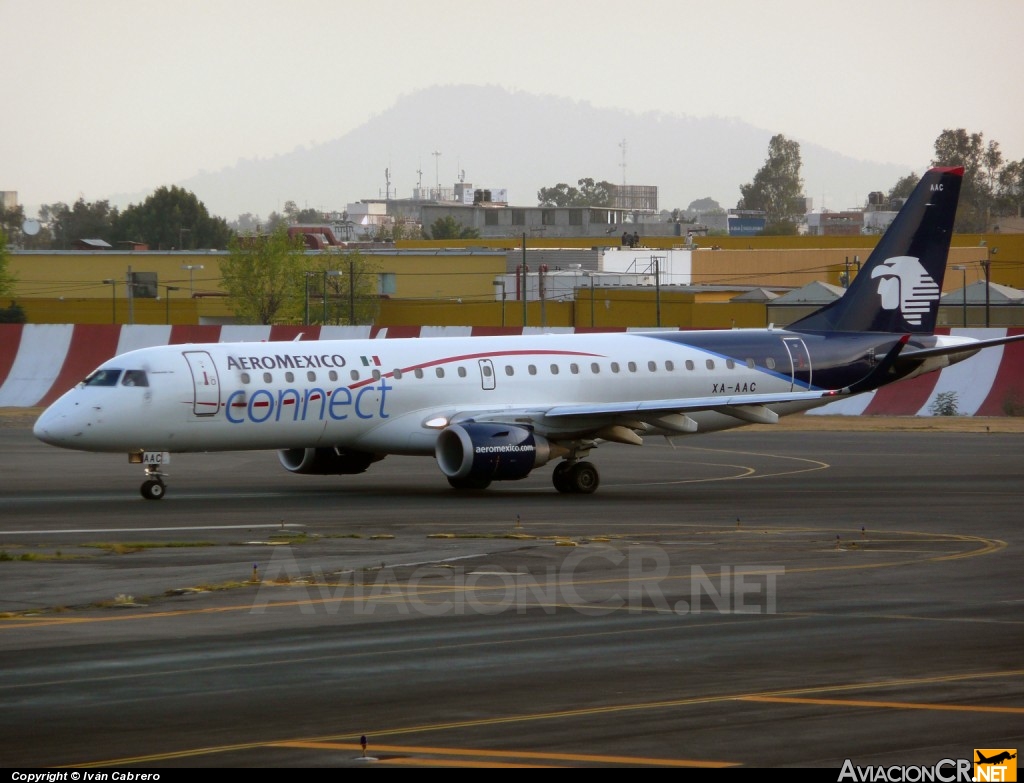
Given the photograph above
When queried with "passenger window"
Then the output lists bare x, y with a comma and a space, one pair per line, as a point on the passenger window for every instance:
103, 378
268, 378
418, 372
769, 363
354, 375
750, 363
632, 366
397, 374
487, 371
595, 368
439, 372
730, 364
710, 364
669, 366
533, 369
310, 375
245, 377
462, 372
134, 378
652, 366
333, 375
290, 377
574, 368
554, 369
510, 370
689, 364
615, 366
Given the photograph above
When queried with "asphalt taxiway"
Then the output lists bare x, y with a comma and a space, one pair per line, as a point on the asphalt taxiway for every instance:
749, 598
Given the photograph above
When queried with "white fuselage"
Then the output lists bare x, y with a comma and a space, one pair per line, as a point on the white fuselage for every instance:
387, 396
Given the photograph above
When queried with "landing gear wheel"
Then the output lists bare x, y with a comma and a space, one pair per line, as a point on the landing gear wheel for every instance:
584, 478
560, 478
153, 489
469, 483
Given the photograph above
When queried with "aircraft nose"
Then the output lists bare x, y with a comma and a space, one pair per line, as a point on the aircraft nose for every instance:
56, 426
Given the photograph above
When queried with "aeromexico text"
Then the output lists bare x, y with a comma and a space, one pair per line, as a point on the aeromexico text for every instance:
286, 361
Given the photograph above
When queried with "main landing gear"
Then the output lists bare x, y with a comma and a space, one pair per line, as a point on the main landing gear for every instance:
579, 478
153, 488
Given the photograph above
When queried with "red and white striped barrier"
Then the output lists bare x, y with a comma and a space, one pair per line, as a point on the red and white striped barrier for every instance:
39, 362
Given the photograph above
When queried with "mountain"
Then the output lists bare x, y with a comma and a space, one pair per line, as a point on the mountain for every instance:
523, 142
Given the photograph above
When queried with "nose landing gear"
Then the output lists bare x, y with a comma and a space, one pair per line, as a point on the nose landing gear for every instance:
153, 488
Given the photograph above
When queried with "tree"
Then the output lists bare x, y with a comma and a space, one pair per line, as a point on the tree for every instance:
904, 186
6, 279
172, 218
11, 219
706, 204
95, 220
264, 277
448, 227
275, 220
777, 187
1011, 188
588, 194
352, 296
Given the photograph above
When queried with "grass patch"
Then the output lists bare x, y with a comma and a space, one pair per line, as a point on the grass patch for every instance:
37, 557
128, 547
512, 536
299, 537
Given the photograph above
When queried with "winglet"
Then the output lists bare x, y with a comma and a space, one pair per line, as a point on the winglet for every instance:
877, 376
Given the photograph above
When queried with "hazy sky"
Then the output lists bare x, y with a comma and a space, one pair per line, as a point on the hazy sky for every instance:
114, 96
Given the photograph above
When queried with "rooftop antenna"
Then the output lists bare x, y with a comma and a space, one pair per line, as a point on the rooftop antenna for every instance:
623, 164
437, 175
387, 184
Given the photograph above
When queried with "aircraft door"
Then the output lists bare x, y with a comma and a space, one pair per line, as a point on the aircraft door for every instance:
205, 383
487, 378
800, 360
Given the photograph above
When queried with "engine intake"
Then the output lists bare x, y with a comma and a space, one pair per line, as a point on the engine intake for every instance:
326, 462
495, 452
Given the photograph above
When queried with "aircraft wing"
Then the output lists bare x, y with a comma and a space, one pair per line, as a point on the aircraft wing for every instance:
687, 404
598, 417
968, 345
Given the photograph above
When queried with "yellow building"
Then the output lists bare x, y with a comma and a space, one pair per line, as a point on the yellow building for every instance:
452, 282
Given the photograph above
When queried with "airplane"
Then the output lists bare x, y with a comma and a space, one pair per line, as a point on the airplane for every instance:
497, 408
996, 759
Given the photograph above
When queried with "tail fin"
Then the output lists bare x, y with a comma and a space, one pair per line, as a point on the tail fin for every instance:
898, 288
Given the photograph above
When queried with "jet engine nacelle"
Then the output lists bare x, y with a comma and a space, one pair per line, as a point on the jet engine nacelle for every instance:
326, 462
492, 452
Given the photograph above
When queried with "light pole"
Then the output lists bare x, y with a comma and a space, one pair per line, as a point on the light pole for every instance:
590, 274
987, 266
328, 273
656, 261
167, 300
963, 291
499, 282
191, 268
113, 299
305, 282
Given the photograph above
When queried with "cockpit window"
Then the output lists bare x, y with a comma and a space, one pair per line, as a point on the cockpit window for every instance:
103, 378
135, 378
